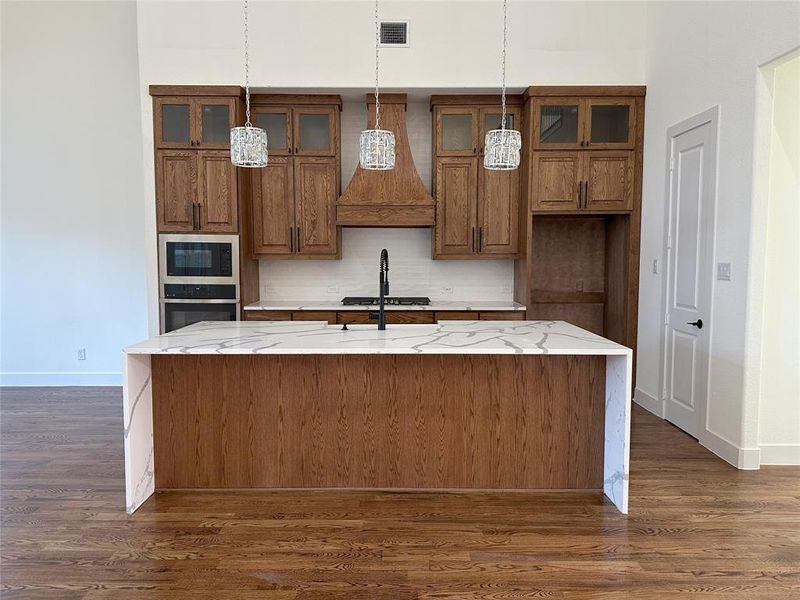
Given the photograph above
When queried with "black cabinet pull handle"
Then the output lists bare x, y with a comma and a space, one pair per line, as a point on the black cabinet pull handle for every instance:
698, 323
298, 239
473, 239
291, 239
480, 239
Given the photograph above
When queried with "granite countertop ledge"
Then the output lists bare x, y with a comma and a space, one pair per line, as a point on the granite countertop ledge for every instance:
435, 305
317, 337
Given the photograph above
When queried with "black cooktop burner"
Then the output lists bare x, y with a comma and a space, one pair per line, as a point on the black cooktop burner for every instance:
390, 300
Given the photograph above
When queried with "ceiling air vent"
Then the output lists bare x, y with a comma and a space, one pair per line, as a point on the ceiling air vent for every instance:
394, 33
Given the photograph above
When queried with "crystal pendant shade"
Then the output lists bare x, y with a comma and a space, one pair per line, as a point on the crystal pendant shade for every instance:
502, 149
376, 151
249, 147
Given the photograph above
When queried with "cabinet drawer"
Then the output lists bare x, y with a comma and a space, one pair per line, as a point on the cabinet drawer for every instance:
503, 315
267, 315
392, 317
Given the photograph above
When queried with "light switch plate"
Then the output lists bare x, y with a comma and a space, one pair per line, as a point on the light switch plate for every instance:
724, 271
655, 266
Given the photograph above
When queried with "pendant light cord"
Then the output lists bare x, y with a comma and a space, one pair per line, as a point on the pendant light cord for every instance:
377, 64
503, 61
246, 69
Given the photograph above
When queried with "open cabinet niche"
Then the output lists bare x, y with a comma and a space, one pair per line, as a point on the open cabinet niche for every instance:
579, 272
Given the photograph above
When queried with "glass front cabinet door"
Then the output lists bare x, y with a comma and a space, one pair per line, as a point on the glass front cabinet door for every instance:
173, 123
456, 131
584, 123
277, 122
314, 131
182, 122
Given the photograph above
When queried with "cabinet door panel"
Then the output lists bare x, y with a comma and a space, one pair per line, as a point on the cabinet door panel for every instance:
214, 117
555, 181
217, 192
456, 131
277, 122
610, 180
456, 205
173, 122
176, 190
315, 189
498, 202
315, 131
557, 123
273, 207
610, 122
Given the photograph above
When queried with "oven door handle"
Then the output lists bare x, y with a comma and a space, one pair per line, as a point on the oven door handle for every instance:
200, 301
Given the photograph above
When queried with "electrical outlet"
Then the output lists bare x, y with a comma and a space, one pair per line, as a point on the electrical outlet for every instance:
506, 289
655, 266
333, 289
81, 353
267, 290
579, 285
724, 271
447, 290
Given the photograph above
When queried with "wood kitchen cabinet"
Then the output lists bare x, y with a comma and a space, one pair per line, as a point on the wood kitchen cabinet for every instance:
194, 122
293, 208
594, 180
571, 122
293, 199
476, 208
583, 174
196, 191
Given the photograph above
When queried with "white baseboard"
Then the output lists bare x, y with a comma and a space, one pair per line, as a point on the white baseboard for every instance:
649, 402
741, 458
60, 379
780, 454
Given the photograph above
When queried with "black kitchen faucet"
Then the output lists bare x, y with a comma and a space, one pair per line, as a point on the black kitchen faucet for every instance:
383, 288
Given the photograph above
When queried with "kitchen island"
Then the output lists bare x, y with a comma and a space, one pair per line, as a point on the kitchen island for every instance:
524, 405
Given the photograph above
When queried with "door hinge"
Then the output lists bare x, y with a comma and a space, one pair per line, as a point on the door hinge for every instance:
671, 163
669, 241
666, 318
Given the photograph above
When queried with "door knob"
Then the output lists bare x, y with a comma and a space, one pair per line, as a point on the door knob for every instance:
698, 323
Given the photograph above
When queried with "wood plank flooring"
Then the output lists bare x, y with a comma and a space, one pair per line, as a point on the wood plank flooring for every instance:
698, 528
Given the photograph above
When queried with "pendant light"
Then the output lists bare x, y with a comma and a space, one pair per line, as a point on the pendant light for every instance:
248, 143
376, 146
502, 145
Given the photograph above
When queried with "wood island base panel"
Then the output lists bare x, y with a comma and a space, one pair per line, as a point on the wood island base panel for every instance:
472, 405
378, 421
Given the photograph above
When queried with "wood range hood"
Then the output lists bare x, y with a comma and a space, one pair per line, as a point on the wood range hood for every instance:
395, 198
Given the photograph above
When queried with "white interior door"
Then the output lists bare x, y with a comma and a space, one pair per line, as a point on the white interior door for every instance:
689, 263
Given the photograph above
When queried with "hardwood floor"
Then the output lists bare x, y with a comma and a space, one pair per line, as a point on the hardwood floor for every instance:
697, 527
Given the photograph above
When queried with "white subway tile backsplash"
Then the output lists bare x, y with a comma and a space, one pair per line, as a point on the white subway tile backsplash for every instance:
412, 272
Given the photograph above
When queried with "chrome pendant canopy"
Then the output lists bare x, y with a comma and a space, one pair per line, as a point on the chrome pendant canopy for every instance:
502, 145
377, 146
248, 143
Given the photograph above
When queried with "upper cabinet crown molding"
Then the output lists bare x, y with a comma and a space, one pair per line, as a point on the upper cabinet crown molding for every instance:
234, 91
540, 91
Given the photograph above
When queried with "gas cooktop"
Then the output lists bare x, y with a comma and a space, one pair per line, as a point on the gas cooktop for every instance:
393, 300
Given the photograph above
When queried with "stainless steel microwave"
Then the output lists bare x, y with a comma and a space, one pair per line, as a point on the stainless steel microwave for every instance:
198, 259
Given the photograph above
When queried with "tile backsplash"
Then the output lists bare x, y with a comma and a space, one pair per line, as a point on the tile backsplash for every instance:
412, 272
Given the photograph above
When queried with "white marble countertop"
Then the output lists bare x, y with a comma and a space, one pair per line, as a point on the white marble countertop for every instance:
435, 305
317, 337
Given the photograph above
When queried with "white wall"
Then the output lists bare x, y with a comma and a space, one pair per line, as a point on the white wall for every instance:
329, 45
779, 398
701, 54
73, 270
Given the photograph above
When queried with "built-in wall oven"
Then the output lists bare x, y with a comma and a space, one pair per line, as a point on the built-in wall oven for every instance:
198, 279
